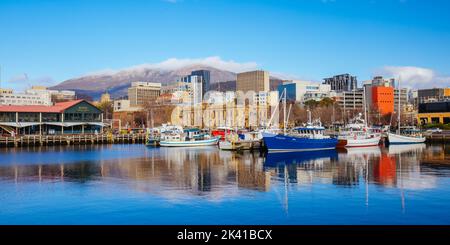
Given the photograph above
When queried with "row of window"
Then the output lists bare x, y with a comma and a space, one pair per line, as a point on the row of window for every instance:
49, 117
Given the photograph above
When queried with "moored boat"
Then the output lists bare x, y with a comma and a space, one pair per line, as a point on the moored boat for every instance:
407, 135
187, 138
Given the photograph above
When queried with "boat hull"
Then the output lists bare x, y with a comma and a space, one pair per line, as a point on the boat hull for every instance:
368, 142
283, 143
195, 143
395, 139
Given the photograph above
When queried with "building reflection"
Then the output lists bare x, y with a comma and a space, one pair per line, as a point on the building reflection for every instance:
208, 171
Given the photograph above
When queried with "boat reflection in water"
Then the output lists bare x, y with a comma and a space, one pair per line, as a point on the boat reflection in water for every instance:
136, 184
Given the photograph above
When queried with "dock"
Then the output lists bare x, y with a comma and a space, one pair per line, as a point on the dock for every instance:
80, 139
443, 137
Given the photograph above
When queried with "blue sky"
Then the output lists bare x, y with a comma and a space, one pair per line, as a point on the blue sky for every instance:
51, 41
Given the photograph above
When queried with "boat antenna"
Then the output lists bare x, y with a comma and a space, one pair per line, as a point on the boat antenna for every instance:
398, 110
365, 106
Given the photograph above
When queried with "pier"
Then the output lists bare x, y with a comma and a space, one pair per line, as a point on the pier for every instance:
79, 139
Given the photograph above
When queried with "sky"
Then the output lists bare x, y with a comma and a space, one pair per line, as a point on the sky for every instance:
47, 41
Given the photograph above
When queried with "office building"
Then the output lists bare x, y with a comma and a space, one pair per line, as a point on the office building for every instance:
302, 91
205, 78
141, 93
344, 82
350, 100
55, 95
253, 81
382, 100
8, 97
433, 95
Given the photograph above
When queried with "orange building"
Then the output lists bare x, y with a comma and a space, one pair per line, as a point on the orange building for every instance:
383, 99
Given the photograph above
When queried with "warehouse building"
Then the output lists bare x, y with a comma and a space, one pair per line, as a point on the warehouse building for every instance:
72, 117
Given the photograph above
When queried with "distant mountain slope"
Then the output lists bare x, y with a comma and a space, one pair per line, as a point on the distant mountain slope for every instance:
117, 83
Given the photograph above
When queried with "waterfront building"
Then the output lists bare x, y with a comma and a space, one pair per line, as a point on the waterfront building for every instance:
8, 97
434, 112
205, 78
141, 93
343, 82
71, 117
55, 95
253, 81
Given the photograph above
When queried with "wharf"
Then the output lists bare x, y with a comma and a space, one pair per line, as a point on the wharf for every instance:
78, 139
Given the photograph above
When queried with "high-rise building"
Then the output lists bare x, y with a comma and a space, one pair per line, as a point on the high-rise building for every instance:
206, 79
143, 92
343, 82
257, 81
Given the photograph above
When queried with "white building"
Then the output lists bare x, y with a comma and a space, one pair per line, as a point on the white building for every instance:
58, 95
8, 97
121, 105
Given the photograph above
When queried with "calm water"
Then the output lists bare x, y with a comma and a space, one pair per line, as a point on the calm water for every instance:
133, 184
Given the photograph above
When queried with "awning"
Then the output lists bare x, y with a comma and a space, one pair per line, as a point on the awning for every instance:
19, 124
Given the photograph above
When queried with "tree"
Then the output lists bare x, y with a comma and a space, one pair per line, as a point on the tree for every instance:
311, 104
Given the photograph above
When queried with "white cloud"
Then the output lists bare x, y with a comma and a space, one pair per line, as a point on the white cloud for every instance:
23, 81
415, 77
176, 63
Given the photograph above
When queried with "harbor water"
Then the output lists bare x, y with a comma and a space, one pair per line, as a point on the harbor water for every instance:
135, 184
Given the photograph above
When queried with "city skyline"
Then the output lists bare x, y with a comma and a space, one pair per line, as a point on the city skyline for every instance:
49, 42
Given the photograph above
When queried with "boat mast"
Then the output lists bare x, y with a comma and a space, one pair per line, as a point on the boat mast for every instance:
398, 110
365, 106
284, 111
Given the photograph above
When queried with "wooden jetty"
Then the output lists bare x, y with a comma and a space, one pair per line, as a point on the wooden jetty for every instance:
79, 139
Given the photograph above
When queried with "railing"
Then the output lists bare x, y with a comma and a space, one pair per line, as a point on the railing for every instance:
30, 140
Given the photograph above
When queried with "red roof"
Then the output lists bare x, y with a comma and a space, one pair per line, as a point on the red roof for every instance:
57, 108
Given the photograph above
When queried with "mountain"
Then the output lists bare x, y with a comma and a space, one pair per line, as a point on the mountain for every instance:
117, 83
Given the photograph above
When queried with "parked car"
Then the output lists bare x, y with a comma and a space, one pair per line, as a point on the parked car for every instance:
434, 130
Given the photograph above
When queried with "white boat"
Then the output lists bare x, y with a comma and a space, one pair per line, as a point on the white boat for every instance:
187, 138
410, 135
358, 134
405, 139
190, 143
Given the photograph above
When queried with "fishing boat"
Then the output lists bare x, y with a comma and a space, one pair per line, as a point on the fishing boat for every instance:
187, 138
239, 140
358, 134
221, 132
410, 135
310, 137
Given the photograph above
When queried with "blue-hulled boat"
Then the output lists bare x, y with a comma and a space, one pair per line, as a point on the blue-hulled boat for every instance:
307, 142
308, 138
